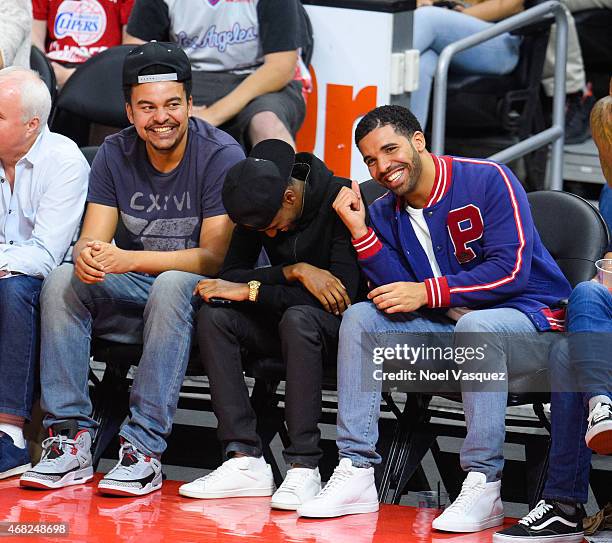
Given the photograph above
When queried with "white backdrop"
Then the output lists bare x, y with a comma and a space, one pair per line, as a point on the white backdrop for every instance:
351, 62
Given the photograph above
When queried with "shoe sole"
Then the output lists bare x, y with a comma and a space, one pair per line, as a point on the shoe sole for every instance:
600, 441
79, 477
567, 538
15, 471
469, 527
123, 491
284, 506
245, 493
351, 509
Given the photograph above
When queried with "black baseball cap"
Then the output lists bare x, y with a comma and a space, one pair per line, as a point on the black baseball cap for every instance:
170, 58
254, 187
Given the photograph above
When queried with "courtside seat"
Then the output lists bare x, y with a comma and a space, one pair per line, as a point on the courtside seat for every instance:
572, 230
40, 63
93, 94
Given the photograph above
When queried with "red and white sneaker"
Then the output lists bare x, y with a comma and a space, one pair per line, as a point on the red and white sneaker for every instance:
66, 459
136, 474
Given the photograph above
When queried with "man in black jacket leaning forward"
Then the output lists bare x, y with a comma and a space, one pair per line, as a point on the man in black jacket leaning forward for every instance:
283, 203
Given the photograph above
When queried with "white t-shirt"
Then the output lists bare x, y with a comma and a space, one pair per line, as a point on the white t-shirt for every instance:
423, 235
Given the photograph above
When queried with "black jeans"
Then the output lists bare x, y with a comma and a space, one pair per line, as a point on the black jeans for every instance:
304, 336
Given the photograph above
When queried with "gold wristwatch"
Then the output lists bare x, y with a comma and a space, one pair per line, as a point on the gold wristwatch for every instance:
253, 290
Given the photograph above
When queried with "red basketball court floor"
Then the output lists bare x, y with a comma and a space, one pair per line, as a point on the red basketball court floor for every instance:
165, 516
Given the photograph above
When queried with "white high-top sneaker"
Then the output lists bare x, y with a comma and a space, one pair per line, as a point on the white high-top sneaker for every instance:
299, 486
477, 507
238, 476
349, 490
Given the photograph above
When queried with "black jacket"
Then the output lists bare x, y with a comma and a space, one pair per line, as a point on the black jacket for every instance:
319, 238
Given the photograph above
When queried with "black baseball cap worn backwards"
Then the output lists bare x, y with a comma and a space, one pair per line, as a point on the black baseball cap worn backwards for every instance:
169, 57
254, 187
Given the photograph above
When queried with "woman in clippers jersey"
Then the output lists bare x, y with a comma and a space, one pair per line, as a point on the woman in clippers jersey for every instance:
72, 31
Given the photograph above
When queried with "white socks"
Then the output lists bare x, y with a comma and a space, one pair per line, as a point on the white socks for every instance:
15, 432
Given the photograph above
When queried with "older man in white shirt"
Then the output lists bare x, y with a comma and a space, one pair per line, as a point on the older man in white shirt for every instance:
43, 184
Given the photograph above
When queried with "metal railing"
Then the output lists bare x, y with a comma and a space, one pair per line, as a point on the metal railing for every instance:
554, 134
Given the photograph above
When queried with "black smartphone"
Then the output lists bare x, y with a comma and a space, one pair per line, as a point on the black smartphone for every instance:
220, 301
449, 4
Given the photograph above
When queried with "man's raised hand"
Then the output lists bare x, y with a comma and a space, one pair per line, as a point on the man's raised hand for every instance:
352, 210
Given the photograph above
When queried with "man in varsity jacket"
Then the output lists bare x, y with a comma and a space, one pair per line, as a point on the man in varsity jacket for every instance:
452, 248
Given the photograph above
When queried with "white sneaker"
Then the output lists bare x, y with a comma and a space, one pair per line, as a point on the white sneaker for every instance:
238, 476
350, 490
299, 486
477, 507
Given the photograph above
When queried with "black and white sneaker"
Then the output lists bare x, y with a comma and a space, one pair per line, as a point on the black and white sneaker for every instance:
546, 523
66, 459
599, 432
136, 474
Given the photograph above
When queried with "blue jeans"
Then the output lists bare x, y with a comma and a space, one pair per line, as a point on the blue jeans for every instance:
589, 323
359, 392
584, 366
127, 308
434, 29
19, 343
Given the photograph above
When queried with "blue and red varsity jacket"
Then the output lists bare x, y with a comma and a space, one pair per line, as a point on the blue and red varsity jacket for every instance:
486, 245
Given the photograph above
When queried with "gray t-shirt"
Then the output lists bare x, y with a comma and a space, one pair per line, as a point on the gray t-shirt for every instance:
223, 36
163, 211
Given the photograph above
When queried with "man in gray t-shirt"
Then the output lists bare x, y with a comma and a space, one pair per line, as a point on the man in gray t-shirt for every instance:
163, 211
155, 188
